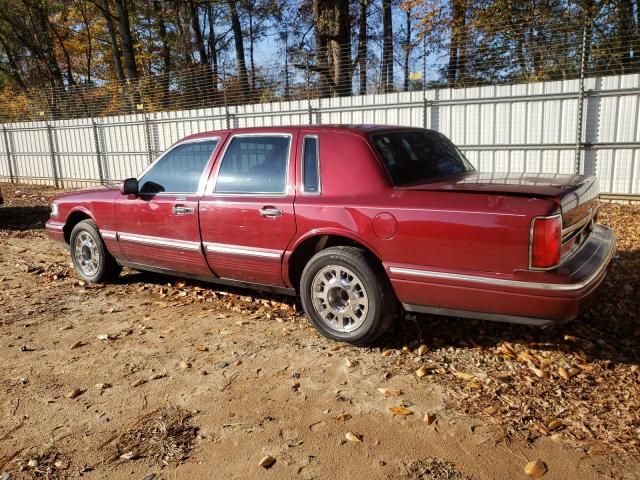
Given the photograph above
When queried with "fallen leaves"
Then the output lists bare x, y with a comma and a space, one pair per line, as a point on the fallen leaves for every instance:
267, 462
353, 437
389, 392
401, 411
76, 392
535, 468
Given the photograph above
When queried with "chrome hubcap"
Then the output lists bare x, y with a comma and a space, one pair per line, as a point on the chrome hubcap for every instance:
339, 297
86, 254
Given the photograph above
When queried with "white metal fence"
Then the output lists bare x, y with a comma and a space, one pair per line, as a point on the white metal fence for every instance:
531, 127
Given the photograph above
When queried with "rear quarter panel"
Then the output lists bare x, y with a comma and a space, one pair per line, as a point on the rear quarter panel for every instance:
447, 231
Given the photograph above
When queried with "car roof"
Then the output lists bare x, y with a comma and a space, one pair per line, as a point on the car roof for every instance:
364, 129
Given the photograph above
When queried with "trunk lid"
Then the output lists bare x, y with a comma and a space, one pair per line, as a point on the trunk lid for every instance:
576, 195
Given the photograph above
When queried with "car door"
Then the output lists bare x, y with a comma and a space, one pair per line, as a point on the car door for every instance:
246, 216
159, 227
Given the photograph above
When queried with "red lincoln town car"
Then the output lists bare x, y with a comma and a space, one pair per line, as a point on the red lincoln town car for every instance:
357, 220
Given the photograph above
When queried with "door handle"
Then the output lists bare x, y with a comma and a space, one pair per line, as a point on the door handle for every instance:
270, 212
182, 210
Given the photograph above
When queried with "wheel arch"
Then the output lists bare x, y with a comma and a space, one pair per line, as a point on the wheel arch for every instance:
76, 216
307, 246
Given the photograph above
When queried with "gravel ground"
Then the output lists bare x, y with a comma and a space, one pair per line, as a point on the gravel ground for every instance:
160, 376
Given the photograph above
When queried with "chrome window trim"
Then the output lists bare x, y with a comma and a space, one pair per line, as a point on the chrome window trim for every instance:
533, 221
560, 287
240, 250
159, 241
214, 180
203, 176
302, 162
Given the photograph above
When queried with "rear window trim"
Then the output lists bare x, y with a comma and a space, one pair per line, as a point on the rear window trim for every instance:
302, 166
370, 138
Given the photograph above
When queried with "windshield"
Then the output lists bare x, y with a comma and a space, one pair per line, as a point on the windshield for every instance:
418, 156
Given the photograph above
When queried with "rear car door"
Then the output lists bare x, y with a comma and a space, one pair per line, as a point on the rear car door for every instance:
246, 216
159, 227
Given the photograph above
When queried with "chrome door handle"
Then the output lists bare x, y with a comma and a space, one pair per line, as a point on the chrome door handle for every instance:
182, 210
270, 212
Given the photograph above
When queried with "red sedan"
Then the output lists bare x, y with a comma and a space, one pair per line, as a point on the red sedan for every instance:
357, 220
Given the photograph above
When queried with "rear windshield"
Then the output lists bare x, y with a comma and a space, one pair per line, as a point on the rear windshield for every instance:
418, 156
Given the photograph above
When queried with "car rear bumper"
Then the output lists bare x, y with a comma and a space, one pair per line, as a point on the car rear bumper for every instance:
540, 298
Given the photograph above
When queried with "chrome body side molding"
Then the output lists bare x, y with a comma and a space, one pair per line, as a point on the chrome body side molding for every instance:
159, 241
108, 234
240, 250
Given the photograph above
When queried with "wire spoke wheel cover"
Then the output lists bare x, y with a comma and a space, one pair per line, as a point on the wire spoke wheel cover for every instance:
86, 253
340, 298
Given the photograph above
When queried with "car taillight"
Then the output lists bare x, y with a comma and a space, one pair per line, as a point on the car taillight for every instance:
546, 241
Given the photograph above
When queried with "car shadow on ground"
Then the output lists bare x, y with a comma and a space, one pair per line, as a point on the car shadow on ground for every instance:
23, 218
609, 329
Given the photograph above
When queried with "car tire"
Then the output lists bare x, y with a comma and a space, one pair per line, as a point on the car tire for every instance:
347, 295
89, 255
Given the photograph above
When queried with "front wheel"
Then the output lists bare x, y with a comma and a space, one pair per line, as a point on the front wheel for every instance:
90, 257
347, 296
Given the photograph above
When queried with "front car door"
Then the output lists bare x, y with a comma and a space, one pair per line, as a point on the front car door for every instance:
159, 227
246, 215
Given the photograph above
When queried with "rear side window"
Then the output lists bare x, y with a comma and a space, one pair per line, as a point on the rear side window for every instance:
418, 156
179, 170
254, 164
310, 165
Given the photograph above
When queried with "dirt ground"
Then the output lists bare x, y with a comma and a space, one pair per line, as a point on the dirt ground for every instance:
158, 378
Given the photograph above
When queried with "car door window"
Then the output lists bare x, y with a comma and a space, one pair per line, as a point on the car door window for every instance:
179, 170
255, 164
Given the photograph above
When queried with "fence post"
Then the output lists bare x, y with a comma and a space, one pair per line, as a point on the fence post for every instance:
7, 146
581, 95
52, 150
147, 137
96, 140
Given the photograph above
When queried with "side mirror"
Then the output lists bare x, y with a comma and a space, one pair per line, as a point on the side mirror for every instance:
129, 186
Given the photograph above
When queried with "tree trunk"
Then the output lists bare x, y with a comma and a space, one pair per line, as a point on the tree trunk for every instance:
387, 47
252, 62
113, 40
243, 79
212, 42
322, 46
342, 48
362, 47
13, 66
126, 40
407, 51
165, 53
44, 44
65, 52
197, 33
457, 47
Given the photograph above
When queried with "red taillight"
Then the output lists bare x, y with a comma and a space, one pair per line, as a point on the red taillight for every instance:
546, 241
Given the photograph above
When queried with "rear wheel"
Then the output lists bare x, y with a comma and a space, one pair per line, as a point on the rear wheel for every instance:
347, 296
90, 257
